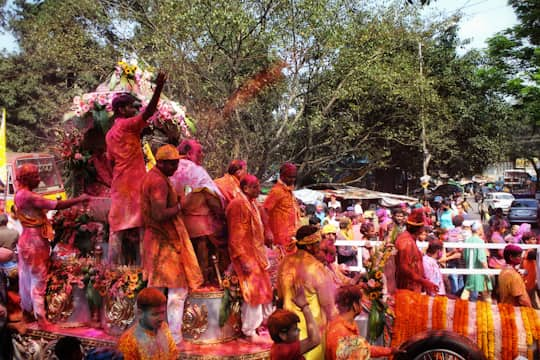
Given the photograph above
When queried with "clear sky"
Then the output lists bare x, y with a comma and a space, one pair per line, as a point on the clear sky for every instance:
482, 19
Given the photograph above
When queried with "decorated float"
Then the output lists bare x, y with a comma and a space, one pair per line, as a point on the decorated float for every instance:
95, 302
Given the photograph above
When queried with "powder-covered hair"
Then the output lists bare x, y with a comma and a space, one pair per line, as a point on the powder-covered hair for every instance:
150, 297
281, 321
347, 295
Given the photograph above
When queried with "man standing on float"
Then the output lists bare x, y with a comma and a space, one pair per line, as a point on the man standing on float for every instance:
34, 248
282, 209
168, 257
248, 256
124, 150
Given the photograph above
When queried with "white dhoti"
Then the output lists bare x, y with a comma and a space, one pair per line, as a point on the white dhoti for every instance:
253, 316
176, 298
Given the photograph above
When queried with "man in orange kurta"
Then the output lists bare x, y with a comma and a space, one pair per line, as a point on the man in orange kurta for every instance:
229, 184
168, 256
281, 206
248, 256
124, 150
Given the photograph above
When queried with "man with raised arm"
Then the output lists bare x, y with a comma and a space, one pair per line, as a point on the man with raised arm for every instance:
124, 150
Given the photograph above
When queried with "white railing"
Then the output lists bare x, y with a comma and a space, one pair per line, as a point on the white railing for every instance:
360, 244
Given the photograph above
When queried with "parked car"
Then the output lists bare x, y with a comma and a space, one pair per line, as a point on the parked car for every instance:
523, 211
494, 200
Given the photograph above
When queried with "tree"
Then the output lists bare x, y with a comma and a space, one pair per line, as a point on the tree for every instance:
513, 70
64, 47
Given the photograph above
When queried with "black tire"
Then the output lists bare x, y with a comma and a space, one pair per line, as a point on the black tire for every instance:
424, 345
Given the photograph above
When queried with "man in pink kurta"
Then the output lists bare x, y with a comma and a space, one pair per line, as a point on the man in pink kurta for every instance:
281, 206
124, 150
248, 255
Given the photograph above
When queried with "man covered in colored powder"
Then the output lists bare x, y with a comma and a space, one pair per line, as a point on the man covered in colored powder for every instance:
303, 267
202, 209
34, 247
248, 256
282, 209
124, 150
409, 265
229, 184
168, 256
149, 338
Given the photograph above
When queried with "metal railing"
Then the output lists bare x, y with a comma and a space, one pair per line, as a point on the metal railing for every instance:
361, 244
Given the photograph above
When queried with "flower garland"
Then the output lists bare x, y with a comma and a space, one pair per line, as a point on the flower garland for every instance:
532, 328
440, 304
509, 332
481, 327
405, 325
461, 317
412, 317
485, 331
490, 332
528, 330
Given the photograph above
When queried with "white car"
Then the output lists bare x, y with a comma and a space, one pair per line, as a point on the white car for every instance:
496, 200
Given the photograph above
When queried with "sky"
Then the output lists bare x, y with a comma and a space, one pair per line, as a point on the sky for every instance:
482, 19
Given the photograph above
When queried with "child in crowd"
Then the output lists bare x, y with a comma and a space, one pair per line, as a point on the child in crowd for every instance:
432, 271
149, 337
283, 328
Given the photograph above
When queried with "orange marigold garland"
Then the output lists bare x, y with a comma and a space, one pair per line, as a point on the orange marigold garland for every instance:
480, 327
528, 331
490, 332
423, 311
513, 326
438, 313
461, 317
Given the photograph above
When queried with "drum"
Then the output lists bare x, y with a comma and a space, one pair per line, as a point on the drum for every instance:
201, 318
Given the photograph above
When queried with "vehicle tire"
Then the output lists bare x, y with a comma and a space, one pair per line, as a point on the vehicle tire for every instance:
433, 344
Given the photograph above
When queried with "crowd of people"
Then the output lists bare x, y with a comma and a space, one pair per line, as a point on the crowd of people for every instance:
180, 219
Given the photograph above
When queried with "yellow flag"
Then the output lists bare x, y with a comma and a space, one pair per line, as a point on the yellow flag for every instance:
151, 160
3, 160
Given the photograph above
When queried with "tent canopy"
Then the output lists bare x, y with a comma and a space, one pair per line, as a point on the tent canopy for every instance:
316, 193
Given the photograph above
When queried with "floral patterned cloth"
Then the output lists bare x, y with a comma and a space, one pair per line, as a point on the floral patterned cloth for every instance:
138, 343
352, 348
124, 149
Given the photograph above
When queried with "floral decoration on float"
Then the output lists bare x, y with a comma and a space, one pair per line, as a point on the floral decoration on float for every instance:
379, 305
501, 332
96, 107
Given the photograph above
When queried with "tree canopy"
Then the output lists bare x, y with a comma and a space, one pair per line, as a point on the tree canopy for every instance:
351, 98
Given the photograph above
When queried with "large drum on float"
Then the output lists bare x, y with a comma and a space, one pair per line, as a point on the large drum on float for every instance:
201, 321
